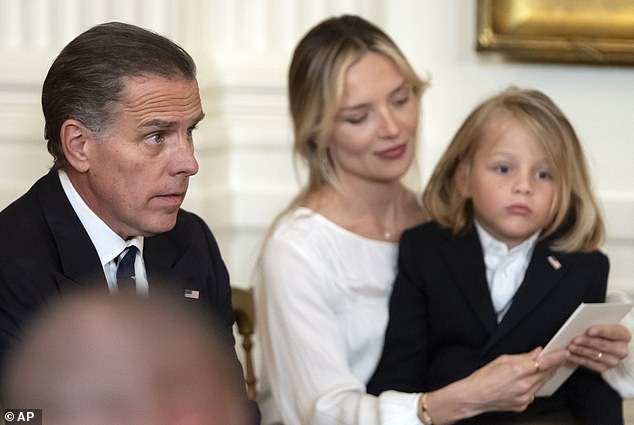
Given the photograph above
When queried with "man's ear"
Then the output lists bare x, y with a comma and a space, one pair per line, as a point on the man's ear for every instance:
461, 179
73, 136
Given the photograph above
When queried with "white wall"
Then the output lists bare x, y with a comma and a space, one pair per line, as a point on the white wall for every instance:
243, 47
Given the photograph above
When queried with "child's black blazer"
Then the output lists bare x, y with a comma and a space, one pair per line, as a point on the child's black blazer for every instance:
443, 327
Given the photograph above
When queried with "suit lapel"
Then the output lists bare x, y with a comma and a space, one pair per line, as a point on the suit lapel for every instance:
165, 265
470, 275
78, 257
541, 277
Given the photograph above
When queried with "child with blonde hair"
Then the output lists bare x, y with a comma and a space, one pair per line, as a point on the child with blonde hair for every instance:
511, 251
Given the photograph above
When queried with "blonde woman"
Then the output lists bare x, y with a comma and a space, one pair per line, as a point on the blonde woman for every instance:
327, 268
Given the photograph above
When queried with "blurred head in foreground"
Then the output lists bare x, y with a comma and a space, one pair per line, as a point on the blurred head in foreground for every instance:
98, 359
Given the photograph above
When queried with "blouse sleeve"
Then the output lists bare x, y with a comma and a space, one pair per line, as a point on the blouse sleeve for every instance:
303, 348
621, 377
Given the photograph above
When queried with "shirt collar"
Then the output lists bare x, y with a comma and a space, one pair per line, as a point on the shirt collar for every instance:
107, 243
490, 245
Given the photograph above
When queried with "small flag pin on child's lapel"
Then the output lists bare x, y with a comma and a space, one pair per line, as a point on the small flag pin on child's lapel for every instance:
553, 262
192, 294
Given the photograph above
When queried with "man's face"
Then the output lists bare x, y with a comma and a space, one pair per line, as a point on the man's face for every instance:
139, 170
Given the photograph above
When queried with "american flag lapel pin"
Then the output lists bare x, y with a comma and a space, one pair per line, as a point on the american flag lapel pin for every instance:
192, 294
554, 262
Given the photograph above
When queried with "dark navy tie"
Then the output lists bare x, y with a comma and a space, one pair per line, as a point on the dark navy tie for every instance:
125, 271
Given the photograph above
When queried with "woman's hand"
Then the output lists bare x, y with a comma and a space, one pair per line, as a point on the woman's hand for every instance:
510, 381
601, 347
507, 383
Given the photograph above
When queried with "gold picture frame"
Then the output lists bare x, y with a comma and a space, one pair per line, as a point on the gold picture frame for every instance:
589, 31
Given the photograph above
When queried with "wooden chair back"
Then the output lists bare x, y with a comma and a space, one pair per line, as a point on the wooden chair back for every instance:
242, 300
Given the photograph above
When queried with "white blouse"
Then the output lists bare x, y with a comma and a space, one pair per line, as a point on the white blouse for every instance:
322, 296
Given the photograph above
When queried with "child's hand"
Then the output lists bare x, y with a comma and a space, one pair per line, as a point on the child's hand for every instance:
601, 347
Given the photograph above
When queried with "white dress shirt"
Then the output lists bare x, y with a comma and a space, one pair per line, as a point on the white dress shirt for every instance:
505, 268
108, 244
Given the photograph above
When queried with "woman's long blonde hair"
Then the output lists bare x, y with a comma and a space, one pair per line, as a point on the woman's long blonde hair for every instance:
316, 83
576, 224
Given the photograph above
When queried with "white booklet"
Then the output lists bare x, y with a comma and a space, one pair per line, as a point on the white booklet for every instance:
584, 316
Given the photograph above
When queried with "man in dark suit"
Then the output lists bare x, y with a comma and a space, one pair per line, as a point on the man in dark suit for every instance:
120, 104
